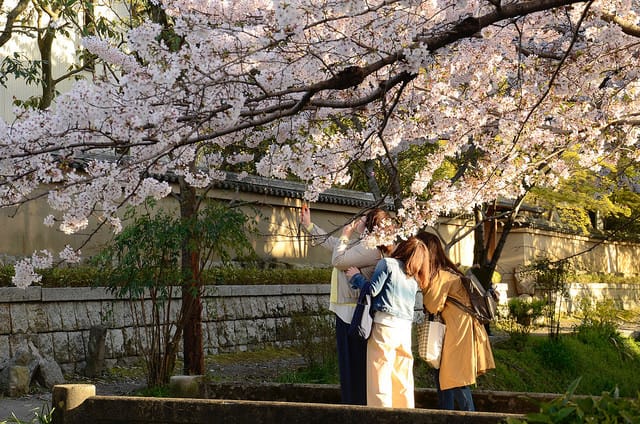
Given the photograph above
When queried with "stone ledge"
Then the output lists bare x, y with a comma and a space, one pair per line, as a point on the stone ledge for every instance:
74, 294
122, 409
78, 294
15, 294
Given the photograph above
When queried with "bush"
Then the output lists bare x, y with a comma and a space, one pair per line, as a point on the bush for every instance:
520, 320
598, 322
86, 276
313, 337
608, 408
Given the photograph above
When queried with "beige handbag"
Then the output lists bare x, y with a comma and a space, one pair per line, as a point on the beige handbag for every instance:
431, 339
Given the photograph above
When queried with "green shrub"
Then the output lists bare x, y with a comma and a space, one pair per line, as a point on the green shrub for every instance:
526, 311
520, 320
86, 276
249, 276
598, 322
312, 336
608, 408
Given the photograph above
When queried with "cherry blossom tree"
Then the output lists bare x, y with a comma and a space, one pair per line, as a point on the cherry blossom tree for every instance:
304, 88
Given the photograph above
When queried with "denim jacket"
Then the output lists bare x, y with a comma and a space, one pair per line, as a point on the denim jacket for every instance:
392, 291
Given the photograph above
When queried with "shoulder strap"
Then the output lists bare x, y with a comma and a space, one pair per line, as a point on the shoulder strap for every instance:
462, 306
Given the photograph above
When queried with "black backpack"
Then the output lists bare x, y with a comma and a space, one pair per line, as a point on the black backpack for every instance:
484, 302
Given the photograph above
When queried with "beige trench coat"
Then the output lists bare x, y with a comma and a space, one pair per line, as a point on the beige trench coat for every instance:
466, 352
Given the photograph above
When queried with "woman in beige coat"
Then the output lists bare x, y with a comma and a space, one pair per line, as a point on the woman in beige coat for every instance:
466, 352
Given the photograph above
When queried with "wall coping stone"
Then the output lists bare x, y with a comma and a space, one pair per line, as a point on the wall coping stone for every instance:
74, 294
15, 294
71, 294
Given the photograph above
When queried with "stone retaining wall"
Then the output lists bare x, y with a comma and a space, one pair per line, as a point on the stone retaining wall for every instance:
235, 318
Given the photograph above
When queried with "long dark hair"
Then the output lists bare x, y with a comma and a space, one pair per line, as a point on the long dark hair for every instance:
436, 258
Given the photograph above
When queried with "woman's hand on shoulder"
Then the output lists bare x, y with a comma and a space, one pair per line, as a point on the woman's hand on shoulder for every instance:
351, 271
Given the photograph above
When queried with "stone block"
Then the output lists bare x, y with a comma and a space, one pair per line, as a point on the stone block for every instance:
67, 397
49, 373
119, 312
44, 341
5, 319
61, 347
76, 346
68, 315
37, 318
115, 342
15, 294
295, 304
19, 380
5, 347
175, 310
240, 331
69, 368
225, 333
54, 316
131, 341
68, 294
94, 313
254, 335
214, 309
82, 316
235, 308
277, 306
96, 351
106, 314
19, 318
212, 336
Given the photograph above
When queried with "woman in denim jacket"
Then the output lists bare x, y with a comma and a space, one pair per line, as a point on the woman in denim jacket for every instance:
389, 355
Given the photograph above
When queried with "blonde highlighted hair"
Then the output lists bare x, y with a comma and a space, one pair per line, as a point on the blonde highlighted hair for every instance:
413, 252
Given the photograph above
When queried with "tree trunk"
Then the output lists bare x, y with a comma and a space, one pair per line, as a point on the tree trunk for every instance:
45, 44
487, 250
191, 290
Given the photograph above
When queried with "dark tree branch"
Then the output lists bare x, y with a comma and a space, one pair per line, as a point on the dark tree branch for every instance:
5, 36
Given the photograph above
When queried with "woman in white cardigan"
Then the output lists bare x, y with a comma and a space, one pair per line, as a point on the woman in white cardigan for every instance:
352, 351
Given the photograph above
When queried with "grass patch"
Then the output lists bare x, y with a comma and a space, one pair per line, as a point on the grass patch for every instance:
251, 356
548, 366
542, 365
318, 373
